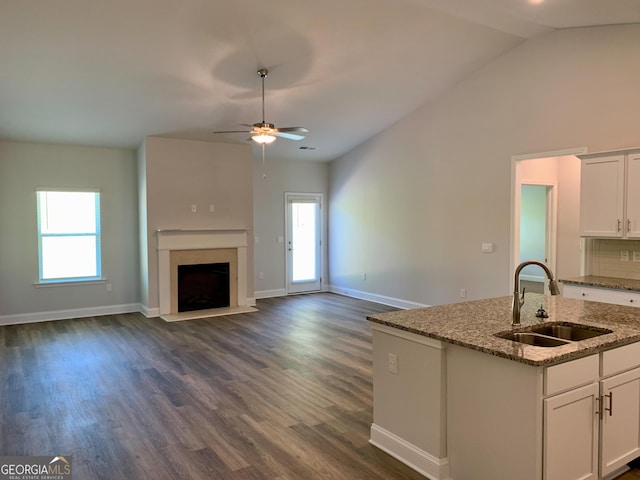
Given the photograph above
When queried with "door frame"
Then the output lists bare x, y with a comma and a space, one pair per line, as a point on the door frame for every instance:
516, 190
321, 239
551, 200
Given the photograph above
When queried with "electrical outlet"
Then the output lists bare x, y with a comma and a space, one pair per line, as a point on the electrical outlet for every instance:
393, 363
212, 208
194, 208
636, 256
463, 293
109, 287
260, 276
364, 276
624, 255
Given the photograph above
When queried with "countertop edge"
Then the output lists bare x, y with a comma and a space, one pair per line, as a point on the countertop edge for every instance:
604, 282
496, 353
450, 324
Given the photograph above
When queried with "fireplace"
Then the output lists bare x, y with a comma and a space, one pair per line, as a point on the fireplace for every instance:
201, 247
203, 286
190, 261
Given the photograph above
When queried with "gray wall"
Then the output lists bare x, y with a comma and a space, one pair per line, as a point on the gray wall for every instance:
23, 168
412, 206
179, 173
269, 216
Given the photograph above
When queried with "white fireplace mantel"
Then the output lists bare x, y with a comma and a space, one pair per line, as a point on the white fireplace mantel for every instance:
169, 240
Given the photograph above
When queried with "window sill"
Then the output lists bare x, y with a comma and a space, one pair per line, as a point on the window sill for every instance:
70, 283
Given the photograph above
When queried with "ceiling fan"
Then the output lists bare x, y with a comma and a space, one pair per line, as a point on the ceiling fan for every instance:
265, 133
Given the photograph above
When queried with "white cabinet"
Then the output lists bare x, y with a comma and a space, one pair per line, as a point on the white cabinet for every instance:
596, 425
571, 435
606, 295
620, 427
571, 424
620, 408
633, 196
610, 195
457, 413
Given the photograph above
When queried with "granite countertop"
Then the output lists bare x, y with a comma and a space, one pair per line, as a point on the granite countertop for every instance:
473, 325
604, 282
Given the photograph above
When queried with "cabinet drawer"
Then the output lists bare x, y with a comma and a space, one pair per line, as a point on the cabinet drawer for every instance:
571, 374
620, 359
606, 295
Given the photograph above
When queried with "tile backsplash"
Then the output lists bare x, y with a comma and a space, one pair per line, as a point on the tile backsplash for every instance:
606, 258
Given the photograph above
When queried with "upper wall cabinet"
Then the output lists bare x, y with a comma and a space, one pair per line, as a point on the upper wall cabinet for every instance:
610, 195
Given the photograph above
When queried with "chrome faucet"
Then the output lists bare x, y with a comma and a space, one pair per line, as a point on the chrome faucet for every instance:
518, 300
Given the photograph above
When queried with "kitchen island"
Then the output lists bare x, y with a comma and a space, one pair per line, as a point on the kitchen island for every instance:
455, 401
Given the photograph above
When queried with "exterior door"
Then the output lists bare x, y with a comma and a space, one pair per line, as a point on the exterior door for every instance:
304, 242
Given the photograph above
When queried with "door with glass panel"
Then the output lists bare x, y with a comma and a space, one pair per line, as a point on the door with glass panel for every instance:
303, 242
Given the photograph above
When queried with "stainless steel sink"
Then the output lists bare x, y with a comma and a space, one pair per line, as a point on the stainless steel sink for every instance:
569, 331
553, 334
534, 339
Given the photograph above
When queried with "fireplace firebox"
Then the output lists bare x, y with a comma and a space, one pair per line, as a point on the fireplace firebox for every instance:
203, 286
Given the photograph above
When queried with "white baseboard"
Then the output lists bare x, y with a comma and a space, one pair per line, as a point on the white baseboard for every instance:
66, 314
280, 292
373, 297
412, 456
149, 312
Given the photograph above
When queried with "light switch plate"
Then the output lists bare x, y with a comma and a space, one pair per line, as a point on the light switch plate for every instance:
487, 248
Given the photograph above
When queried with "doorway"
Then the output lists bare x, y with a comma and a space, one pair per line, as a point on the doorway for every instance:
546, 171
535, 231
303, 242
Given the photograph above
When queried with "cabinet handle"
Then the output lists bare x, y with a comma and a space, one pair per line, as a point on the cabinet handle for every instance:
628, 225
599, 407
610, 409
619, 225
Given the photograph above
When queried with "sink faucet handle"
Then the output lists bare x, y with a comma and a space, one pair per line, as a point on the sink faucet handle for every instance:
522, 296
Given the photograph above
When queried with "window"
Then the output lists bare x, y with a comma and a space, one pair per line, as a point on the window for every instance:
69, 236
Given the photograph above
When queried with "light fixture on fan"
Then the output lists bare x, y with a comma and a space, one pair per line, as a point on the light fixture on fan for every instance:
262, 138
264, 133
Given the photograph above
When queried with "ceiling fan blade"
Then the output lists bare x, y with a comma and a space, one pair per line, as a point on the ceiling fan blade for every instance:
289, 136
232, 131
293, 130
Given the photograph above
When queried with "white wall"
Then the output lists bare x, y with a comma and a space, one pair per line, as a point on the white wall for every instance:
23, 168
412, 206
269, 216
181, 173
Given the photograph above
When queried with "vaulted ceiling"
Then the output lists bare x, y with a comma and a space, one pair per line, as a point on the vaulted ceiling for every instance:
110, 73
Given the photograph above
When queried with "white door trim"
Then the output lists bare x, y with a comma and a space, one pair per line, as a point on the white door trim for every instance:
311, 198
516, 186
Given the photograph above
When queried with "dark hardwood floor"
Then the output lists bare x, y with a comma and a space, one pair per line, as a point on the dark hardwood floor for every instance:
284, 393
280, 394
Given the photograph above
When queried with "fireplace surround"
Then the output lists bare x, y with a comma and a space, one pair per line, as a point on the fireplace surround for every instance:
189, 247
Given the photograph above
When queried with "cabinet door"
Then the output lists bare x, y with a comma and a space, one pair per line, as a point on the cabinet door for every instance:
620, 427
602, 196
632, 225
571, 435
